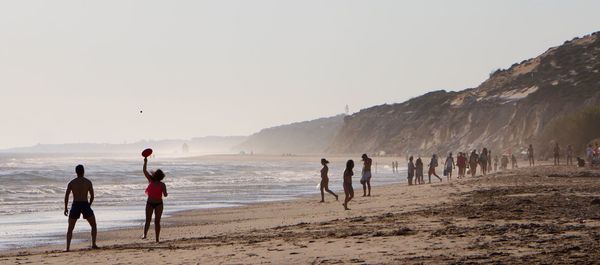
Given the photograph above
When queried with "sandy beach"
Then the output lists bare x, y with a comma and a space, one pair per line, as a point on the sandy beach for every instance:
540, 215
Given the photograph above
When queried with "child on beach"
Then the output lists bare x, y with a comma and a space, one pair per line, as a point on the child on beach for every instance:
156, 190
325, 180
348, 190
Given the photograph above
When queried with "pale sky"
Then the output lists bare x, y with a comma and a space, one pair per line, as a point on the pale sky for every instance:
80, 71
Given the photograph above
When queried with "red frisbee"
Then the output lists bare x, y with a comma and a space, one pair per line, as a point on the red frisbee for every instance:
147, 152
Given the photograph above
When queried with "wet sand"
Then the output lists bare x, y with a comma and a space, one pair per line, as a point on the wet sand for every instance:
541, 215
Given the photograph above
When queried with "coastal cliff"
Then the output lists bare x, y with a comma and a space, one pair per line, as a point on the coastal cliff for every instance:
505, 113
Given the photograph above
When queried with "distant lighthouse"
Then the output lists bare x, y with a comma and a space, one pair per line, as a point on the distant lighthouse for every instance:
347, 110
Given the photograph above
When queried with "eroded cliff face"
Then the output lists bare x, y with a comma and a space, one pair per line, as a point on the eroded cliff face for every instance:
505, 113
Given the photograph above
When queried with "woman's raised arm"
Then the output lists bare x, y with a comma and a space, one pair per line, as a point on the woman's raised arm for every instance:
145, 169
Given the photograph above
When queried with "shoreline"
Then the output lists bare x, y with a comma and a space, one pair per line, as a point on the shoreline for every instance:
175, 218
477, 219
193, 186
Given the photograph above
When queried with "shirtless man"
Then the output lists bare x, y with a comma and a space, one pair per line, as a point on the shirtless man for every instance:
80, 187
366, 175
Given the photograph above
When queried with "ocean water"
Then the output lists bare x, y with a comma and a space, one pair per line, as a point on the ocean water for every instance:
33, 186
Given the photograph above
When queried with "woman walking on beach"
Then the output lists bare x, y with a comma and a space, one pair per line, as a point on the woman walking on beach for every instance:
419, 171
156, 190
432, 165
348, 190
325, 180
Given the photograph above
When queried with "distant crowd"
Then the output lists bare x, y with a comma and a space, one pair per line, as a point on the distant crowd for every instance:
486, 163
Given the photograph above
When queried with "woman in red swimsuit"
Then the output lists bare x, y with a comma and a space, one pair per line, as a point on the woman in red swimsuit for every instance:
156, 190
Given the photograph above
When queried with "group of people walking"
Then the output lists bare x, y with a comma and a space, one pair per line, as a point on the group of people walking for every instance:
365, 180
466, 165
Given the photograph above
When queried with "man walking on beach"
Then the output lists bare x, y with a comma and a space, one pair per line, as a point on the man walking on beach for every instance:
80, 187
366, 174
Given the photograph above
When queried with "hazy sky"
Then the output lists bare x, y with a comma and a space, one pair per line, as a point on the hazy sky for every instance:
80, 71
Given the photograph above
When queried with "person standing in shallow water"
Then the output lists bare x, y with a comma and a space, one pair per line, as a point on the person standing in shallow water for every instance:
411, 171
432, 165
348, 189
365, 180
80, 187
530, 156
419, 171
325, 180
156, 190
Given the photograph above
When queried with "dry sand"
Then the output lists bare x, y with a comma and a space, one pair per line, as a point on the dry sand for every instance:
526, 216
